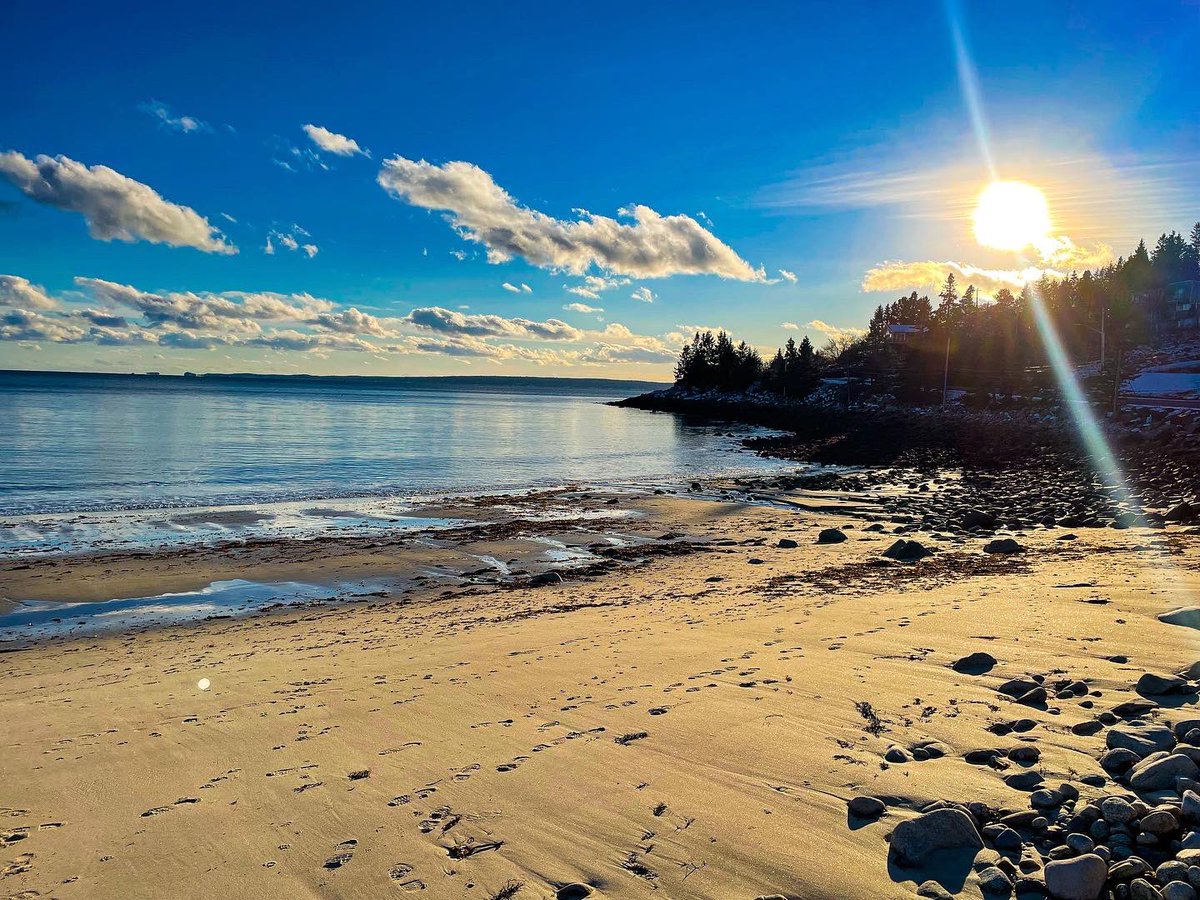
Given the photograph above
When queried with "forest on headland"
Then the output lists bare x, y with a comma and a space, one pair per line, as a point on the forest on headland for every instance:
995, 348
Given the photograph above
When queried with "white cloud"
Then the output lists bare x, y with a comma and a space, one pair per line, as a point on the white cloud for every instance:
19, 292
332, 142
905, 276
289, 241
593, 285
511, 288
447, 321
583, 308
790, 326
787, 276
111, 314
115, 207
23, 325
644, 294
162, 112
653, 246
833, 331
526, 288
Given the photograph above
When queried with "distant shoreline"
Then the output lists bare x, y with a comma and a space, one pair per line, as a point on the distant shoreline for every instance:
300, 376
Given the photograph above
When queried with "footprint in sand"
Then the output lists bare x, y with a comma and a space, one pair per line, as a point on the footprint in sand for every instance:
344, 852
466, 772
400, 873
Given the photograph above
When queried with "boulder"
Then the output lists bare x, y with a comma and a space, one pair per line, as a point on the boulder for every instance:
787, 544
1153, 685
867, 807
977, 519
1187, 616
975, 664
1003, 546
831, 536
545, 578
914, 840
907, 551
1160, 774
1081, 878
1141, 739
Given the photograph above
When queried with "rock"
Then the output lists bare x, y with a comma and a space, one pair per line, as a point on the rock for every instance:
1117, 810
1191, 806
1045, 799
1187, 616
1152, 685
1025, 753
1119, 761
1024, 781
1159, 822
1003, 546
896, 755
977, 519
1141, 889
787, 544
1036, 697
975, 664
867, 807
992, 880
1141, 739
579, 891
1181, 729
1129, 869
545, 578
1080, 843
1169, 871
1160, 774
1181, 512
944, 829
907, 551
1133, 709
1007, 839
1178, 890
934, 891
831, 536
1081, 878
1015, 687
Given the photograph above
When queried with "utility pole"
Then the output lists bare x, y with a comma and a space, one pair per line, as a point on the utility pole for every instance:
946, 373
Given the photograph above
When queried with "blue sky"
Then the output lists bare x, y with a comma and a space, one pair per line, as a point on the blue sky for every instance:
815, 141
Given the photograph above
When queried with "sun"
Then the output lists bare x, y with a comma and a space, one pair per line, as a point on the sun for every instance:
1011, 215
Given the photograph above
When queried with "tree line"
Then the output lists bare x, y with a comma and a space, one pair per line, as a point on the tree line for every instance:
993, 346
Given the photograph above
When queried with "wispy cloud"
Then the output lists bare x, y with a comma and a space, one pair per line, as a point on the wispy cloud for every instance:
650, 246
643, 294
114, 206
583, 308
163, 113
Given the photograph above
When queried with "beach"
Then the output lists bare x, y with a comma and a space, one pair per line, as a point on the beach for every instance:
685, 720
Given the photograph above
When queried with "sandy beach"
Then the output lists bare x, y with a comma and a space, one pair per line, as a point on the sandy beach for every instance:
688, 723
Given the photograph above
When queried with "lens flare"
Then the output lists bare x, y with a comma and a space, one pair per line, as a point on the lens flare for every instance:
1011, 215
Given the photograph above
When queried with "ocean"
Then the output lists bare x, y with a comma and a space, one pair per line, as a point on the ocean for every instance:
75, 444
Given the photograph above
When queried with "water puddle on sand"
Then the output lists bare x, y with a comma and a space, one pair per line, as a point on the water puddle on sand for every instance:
35, 620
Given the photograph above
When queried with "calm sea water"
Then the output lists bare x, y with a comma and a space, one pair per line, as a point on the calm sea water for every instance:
85, 443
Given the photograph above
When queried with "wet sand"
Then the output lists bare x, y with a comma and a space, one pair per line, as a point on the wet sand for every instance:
687, 724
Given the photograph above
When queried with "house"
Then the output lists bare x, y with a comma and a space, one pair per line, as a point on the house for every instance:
900, 334
1182, 298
